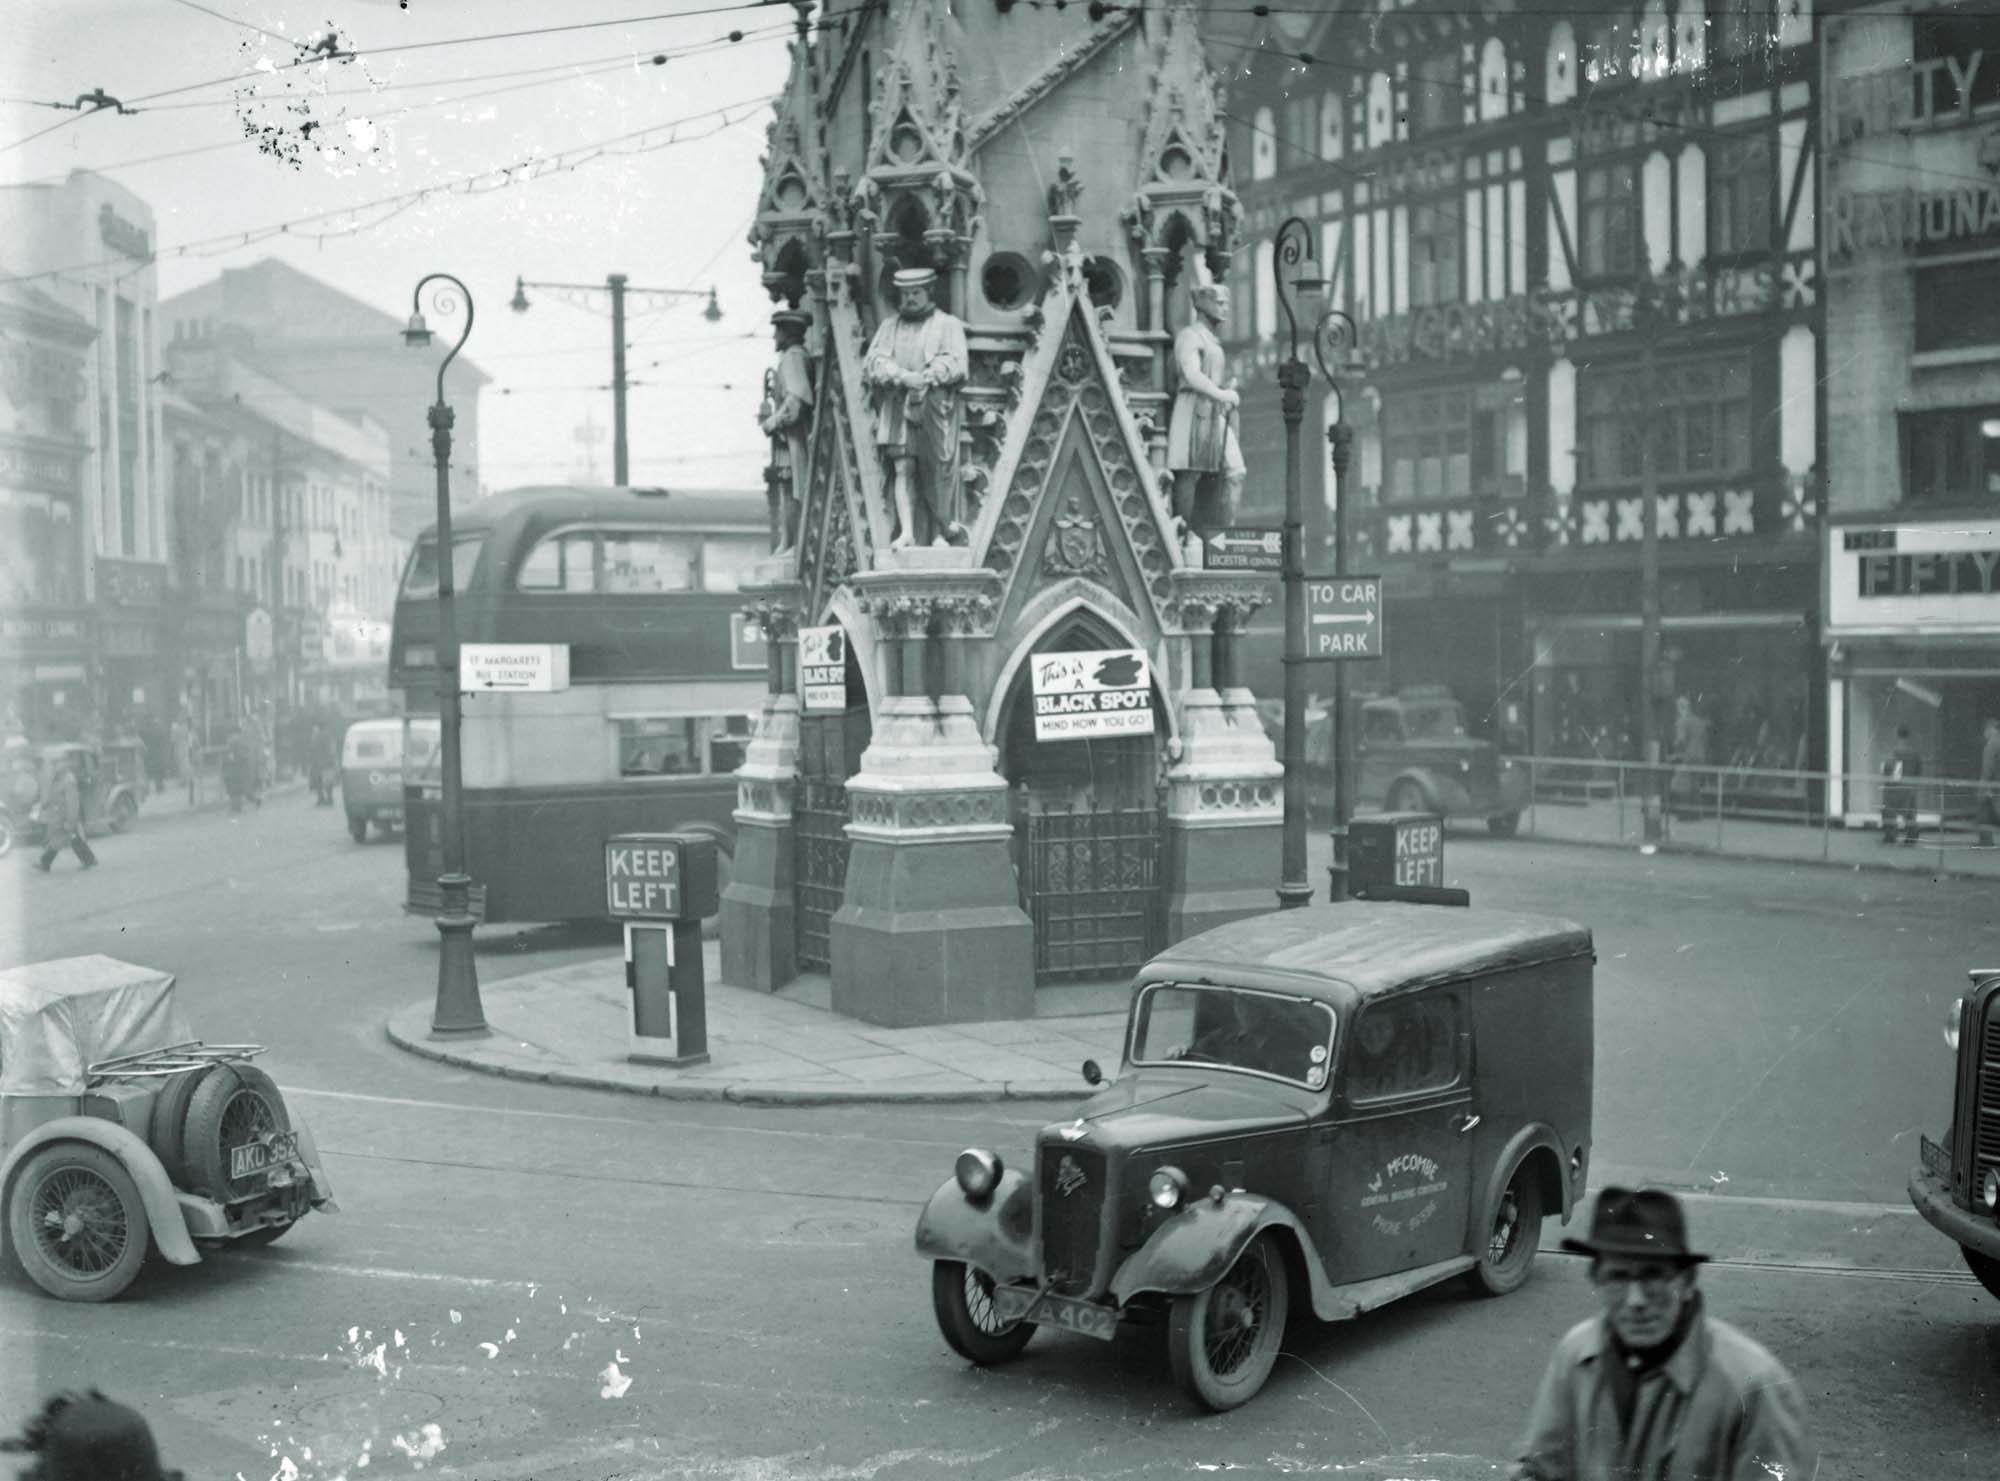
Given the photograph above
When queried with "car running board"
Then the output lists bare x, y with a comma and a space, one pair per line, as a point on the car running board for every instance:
1342, 1303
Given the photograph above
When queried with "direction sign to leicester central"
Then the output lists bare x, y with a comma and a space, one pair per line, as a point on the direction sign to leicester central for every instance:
1245, 548
1080, 695
1343, 617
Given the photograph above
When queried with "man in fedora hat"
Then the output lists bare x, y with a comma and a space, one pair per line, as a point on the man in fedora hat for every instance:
915, 365
87, 1437
1655, 1387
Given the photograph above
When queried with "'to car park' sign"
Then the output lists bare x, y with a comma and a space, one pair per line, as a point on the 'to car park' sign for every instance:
1081, 695
823, 668
1344, 617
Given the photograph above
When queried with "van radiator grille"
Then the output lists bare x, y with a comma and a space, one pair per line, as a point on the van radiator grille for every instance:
1072, 1216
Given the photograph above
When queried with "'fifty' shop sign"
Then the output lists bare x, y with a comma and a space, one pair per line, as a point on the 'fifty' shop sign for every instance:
1939, 576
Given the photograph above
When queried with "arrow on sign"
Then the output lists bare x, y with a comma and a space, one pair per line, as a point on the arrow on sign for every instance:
1343, 617
1268, 541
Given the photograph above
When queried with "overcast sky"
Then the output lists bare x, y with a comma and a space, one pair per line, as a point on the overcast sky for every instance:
233, 116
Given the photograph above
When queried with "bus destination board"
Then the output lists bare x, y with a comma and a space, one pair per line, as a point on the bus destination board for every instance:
1081, 695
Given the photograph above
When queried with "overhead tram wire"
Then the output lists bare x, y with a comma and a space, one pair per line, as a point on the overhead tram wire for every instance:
234, 21
363, 53
529, 170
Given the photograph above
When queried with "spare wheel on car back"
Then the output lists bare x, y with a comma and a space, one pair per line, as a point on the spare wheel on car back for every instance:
170, 1106
233, 1106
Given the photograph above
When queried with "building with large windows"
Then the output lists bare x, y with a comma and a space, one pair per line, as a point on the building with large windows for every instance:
1912, 568
1571, 235
86, 245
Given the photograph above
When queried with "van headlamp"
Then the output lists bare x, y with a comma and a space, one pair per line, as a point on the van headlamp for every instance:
1951, 1022
1989, 1190
1167, 1188
978, 1173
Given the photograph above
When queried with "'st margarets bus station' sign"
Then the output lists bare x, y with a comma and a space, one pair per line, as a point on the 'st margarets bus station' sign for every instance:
1081, 695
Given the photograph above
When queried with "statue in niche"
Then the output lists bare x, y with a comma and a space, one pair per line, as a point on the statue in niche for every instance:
784, 417
916, 364
1203, 453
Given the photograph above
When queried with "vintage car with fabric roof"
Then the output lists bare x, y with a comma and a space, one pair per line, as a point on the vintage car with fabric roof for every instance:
121, 1133
1325, 1108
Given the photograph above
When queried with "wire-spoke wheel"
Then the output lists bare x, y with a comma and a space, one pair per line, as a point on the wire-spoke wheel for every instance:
231, 1107
1511, 1242
1224, 1341
962, 1296
77, 1224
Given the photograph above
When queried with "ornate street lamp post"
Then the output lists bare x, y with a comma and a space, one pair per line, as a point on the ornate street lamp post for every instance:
615, 285
457, 1013
1291, 267
1336, 346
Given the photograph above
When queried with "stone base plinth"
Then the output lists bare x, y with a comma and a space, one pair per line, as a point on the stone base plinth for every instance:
1220, 872
759, 917
760, 908
1225, 815
932, 932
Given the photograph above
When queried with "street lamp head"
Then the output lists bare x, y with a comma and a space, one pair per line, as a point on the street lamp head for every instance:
1336, 344
416, 334
519, 302
713, 313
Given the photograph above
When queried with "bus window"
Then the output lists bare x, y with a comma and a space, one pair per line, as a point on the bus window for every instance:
559, 562
658, 746
420, 577
729, 739
635, 562
727, 559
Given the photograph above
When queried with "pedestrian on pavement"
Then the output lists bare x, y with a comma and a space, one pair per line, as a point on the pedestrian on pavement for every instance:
62, 816
239, 767
1899, 790
1989, 779
87, 1437
1655, 1387
324, 760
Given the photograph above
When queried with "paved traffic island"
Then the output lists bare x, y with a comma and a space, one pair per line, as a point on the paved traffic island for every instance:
572, 1026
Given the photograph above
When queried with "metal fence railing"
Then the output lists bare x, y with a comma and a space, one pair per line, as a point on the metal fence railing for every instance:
1827, 815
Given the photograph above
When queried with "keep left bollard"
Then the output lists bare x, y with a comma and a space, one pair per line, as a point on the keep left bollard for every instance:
662, 885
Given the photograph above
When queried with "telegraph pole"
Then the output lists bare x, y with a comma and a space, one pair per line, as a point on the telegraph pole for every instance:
1653, 805
620, 464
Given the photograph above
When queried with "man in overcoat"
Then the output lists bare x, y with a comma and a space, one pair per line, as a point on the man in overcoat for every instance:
62, 816
1655, 1386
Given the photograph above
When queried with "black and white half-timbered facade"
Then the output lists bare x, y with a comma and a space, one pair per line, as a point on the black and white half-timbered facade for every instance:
1562, 230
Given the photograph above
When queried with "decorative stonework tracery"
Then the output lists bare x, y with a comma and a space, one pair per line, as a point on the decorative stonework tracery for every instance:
1132, 498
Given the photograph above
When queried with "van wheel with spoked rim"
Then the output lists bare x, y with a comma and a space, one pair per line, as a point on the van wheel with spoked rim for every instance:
76, 1222
1223, 1342
1516, 1233
962, 1296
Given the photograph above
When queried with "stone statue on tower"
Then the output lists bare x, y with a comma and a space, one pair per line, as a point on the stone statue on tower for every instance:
1203, 453
915, 366
785, 417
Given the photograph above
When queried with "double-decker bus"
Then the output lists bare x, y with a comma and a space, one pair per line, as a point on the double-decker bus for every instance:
665, 681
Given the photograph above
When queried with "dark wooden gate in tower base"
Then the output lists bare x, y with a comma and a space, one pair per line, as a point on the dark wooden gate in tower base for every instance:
830, 748
1090, 882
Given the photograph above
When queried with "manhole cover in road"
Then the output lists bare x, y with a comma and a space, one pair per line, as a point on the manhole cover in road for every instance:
832, 1230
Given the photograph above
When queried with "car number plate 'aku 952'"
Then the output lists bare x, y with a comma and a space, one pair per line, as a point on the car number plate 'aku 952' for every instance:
1025, 1303
247, 1158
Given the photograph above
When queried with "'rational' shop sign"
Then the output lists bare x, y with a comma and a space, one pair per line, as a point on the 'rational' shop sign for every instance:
1081, 695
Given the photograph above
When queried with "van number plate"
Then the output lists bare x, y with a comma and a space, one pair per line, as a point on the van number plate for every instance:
254, 1157
1025, 1303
